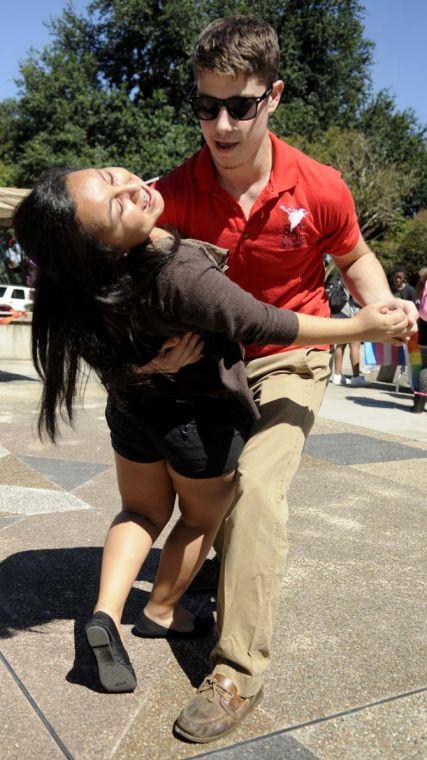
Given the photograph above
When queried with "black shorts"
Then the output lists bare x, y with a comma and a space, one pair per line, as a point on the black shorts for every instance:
199, 438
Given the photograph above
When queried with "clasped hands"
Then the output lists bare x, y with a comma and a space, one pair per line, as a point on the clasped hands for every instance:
394, 319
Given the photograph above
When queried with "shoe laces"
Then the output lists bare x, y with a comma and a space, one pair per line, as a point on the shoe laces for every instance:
215, 688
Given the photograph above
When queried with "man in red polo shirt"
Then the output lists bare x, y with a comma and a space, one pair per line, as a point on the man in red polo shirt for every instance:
277, 211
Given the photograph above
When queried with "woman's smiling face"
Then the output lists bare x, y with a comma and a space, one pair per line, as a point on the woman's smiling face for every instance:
117, 207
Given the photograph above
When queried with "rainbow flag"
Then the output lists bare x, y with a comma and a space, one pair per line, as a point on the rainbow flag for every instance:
383, 353
413, 362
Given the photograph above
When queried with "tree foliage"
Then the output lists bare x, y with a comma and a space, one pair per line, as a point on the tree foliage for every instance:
110, 88
409, 247
112, 84
412, 246
398, 138
377, 183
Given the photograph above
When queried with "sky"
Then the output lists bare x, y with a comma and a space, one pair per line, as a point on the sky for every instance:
397, 28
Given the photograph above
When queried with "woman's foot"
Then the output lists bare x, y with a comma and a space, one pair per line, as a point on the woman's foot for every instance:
178, 618
176, 624
114, 666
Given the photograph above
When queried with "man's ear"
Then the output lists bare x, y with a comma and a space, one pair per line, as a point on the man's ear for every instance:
276, 94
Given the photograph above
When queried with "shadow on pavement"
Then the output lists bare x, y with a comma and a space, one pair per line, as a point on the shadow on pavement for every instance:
11, 377
390, 387
193, 656
373, 402
37, 587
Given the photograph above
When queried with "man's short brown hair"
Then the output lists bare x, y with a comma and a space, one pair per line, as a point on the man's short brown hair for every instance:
238, 45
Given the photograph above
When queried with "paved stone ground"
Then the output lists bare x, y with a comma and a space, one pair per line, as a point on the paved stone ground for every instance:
349, 676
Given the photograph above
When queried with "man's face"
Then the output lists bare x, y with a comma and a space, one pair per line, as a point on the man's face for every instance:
234, 143
399, 279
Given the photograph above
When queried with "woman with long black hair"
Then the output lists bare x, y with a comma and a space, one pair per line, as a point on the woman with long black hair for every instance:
111, 288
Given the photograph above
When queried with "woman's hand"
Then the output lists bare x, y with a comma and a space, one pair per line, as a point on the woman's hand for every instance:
385, 323
175, 353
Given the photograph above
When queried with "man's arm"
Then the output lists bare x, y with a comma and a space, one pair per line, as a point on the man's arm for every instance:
367, 282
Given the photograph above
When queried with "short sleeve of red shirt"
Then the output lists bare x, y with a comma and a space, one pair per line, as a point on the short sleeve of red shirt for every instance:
340, 224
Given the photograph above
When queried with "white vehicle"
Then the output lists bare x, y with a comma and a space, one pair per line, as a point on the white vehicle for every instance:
18, 296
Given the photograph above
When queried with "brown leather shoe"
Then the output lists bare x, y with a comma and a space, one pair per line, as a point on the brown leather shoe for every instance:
215, 710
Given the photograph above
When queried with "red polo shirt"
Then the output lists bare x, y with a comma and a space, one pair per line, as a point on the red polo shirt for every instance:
305, 211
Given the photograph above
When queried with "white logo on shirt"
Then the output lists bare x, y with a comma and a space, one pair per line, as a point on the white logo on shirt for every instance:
295, 215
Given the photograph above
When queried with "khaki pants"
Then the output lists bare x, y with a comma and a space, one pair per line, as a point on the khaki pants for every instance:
289, 388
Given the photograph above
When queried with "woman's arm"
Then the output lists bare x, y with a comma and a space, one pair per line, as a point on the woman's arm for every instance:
198, 295
373, 322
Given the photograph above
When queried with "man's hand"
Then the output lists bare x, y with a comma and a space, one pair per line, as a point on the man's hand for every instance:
391, 321
367, 282
378, 322
411, 313
175, 354
409, 308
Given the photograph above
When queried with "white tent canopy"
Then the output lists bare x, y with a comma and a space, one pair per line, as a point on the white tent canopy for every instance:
10, 197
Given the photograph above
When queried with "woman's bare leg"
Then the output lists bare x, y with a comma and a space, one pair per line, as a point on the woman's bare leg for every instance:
203, 504
355, 357
148, 497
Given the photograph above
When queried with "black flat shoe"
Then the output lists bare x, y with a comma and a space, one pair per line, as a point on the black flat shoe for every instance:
114, 666
149, 629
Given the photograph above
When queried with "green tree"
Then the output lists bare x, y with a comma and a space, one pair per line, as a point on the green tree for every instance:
325, 58
111, 85
399, 138
378, 187
110, 88
409, 247
325, 64
7, 164
6, 175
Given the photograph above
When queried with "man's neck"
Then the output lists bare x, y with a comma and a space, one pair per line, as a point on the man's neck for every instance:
250, 176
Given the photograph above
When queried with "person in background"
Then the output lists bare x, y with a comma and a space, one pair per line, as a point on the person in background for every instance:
356, 380
420, 395
349, 309
3, 267
13, 262
401, 288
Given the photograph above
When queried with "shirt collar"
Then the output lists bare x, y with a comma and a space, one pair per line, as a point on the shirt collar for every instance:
284, 174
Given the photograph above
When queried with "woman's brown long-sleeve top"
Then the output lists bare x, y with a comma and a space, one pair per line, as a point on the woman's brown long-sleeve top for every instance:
191, 293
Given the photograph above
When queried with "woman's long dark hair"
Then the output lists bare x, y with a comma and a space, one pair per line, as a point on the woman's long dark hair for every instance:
85, 300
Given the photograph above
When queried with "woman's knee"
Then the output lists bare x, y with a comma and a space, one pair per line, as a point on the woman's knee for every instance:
205, 506
199, 522
156, 515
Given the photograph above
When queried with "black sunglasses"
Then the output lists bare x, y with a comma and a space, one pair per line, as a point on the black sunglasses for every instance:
240, 108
